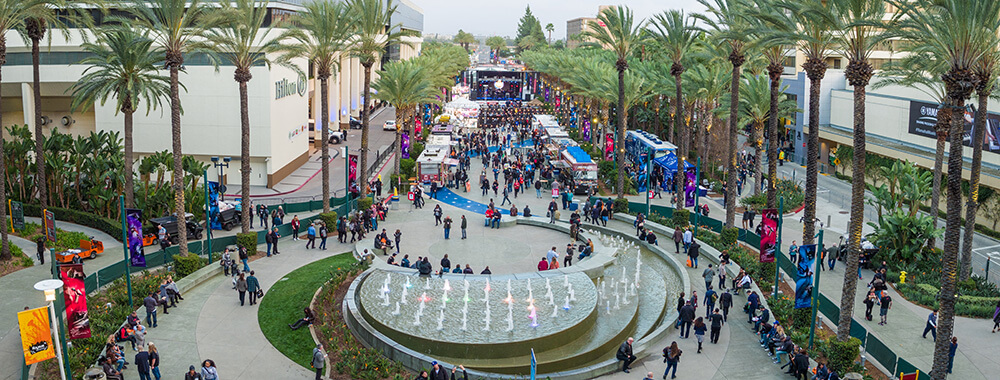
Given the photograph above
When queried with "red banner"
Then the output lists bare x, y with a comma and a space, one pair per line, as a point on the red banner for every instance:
768, 234
75, 294
50, 226
352, 169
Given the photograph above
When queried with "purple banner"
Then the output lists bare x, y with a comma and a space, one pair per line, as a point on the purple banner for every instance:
405, 144
768, 235
689, 190
586, 130
133, 221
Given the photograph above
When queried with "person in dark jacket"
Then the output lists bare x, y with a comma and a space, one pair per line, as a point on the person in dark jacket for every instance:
465, 224
693, 253
725, 301
437, 372
445, 264
754, 301
424, 267
625, 354
465, 374
802, 365
486, 270
40, 243
274, 239
142, 363
150, 303
687, 318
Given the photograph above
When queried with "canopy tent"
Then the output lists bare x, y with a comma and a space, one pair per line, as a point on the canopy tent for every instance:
669, 162
535, 102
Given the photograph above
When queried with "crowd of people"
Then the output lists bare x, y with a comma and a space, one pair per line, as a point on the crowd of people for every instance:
510, 113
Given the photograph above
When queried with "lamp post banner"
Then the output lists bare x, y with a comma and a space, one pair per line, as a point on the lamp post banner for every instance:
50, 226
769, 234
36, 335
75, 295
133, 222
804, 276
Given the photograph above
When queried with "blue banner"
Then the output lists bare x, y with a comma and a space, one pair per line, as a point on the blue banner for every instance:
804, 276
534, 364
213, 205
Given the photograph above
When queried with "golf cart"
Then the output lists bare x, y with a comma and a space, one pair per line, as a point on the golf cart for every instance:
89, 249
194, 230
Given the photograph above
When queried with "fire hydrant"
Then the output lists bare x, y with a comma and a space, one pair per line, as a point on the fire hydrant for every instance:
902, 277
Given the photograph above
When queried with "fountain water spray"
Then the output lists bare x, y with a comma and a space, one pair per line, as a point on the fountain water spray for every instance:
396, 312
486, 292
441, 321
447, 285
566, 280
427, 283
555, 311
408, 283
486, 327
566, 306
510, 318
531, 297
420, 311
402, 295
572, 294
534, 318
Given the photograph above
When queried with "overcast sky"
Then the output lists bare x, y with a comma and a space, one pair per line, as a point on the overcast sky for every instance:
500, 17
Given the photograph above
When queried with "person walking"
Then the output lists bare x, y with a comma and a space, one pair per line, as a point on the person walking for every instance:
243, 257
142, 363
40, 249
869, 304
154, 360
678, 238
447, 227
671, 356
699, 331
253, 286
552, 211
208, 370
725, 301
952, 350
318, 360
322, 236
717, 320
310, 234
996, 318
342, 230
931, 325
710, 298
398, 237
150, 303
886, 303
191, 374
274, 237
708, 275
688, 237
687, 318
437, 215
241, 287
625, 355
693, 254
295, 227
464, 225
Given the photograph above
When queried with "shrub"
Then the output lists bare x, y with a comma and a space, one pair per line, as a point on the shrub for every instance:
247, 240
840, 355
187, 264
967, 305
364, 203
621, 205
728, 236
406, 167
415, 150
330, 218
681, 218
786, 188
108, 226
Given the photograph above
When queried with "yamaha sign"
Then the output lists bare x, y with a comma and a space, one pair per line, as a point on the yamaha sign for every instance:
284, 87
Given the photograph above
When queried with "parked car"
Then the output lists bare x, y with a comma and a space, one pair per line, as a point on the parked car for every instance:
390, 125
355, 123
336, 136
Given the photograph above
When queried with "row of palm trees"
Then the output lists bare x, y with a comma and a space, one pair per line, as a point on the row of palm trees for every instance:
143, 37
955, 54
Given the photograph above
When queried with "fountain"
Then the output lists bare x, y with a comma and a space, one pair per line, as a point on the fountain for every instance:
566, 281
572, 294
551, 299
396, 312
402, 295
407, 286
486, 292
510, 317
441, 321
427, 283
555, 311
533, 316
420, 310
566, 306
486, 326
531, 297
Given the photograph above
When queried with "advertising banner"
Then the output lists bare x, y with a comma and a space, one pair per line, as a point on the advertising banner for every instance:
133, 221
352, 170
804, 276
75, 294
16, 215
769, 234
36, 335
213, 205
405, 145
923, 118
50, 226
689, 189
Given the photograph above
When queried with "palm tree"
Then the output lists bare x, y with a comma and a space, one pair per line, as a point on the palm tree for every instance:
123, 64
550, 28
616, 30
464, 39
861, 28
241, 40
728, 25
321, 36
675, 33
13, 16
815, 25
404, 85
496, 43
986, 69
755, 108
374, 33
960, 29
175, 25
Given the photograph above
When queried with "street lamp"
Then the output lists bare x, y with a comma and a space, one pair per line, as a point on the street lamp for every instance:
224, 164
49, 287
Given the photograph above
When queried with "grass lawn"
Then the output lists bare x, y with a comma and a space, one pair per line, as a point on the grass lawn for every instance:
284, 302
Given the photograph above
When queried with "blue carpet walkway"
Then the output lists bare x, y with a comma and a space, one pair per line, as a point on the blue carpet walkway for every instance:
449, 197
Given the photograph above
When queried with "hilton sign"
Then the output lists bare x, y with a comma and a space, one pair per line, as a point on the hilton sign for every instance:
283, 88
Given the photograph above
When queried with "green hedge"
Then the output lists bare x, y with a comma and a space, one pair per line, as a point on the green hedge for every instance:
968, 306
330, 218
681, 218
108, 226
187, 264
839, 355
247, 240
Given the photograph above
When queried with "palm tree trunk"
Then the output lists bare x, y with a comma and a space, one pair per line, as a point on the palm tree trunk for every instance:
953, 226
710, 122
398, 144
363, 168
620, 131
758, 155
4, 243
816, 69
129, 184
854, 227
324, 145
244, 155
731, 176
177, 178
680, 178
943, 121
972, 205
40, 184
657, 124
774, 72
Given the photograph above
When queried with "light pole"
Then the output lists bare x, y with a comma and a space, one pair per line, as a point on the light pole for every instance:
222, 184
49, 287
347, 178
649, 192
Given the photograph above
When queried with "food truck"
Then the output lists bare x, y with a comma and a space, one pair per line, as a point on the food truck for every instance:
584, 169
436, 158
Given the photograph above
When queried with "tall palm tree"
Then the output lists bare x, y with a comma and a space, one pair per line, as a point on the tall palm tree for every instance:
755, 106
729, 25
676, 34
240, 38
123, 65
987, 70
374, 33
550, 28
321, 37
404, 85
960, 29
860, 30
815, 23
616, 30
176, 26
13, 16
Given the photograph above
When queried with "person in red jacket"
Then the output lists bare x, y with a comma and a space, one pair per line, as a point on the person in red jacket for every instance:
543, 265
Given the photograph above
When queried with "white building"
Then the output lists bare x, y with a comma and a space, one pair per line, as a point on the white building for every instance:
283, 105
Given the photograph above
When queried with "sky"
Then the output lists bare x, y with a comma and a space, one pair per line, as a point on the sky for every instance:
500, 17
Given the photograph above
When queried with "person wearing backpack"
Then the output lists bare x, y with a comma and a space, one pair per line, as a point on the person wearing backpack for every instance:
671, 356
322, 236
